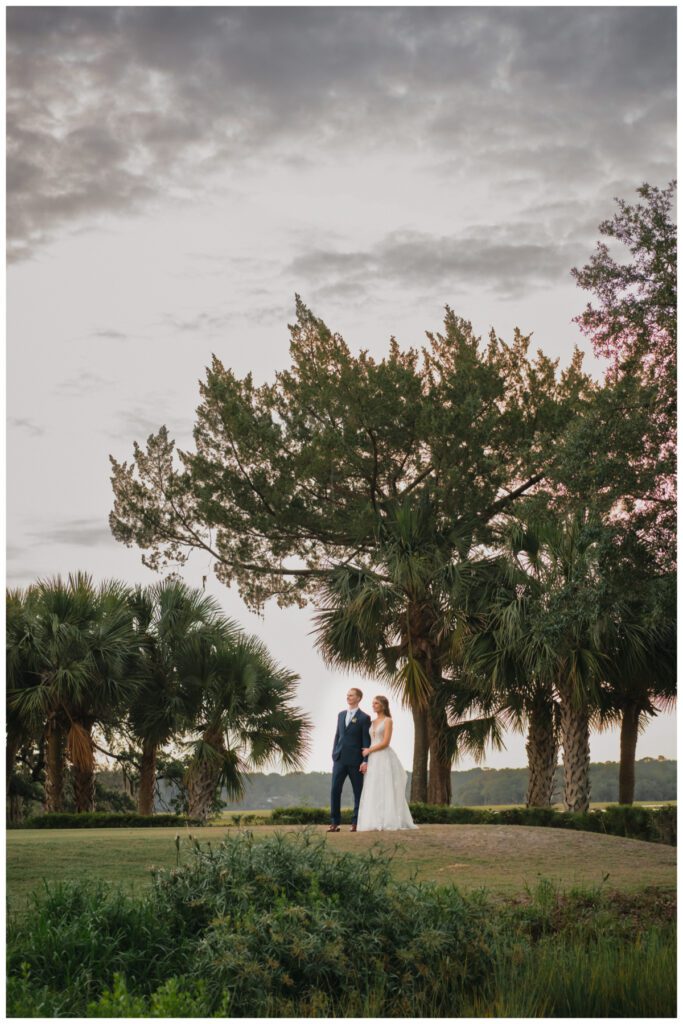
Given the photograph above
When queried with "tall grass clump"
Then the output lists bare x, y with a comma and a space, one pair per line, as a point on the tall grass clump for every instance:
583, 953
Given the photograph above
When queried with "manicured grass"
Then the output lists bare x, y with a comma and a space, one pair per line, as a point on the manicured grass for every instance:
501, 858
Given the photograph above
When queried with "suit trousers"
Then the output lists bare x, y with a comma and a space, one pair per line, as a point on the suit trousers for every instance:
340, 772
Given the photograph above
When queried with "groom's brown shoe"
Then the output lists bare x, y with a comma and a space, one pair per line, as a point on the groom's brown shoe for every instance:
334, 828
354, 828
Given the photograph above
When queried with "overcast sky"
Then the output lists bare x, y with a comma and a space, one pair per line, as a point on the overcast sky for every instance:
176, 175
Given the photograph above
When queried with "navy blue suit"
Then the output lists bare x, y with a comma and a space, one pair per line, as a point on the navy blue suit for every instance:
347, 757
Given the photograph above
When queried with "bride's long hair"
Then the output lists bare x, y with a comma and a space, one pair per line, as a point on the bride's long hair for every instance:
385, 706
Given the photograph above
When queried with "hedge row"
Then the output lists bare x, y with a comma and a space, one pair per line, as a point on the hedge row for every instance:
655, 826
103, 819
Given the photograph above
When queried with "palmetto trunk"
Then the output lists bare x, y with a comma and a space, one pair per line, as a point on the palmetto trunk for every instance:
11, 751
55, 746
541, 749
418, 783
416, 643
84, 789
14, 809
576, 747
439, 789
84, 772
147, 778
627, 762
203, 779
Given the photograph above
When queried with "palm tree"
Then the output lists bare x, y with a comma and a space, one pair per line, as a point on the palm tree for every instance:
81, 644
640, 676
566, 632
244, 716
386, 623
491, 688
168, 617
399, 622
20, 673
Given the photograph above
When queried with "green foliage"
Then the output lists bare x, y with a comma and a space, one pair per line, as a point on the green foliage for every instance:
266, 924
655, 780
105, 820
289, 928
623, 454
175, 998
656, 825
306, 816
310, 467
572, 978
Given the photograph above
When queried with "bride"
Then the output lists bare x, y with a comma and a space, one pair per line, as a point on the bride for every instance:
383, 801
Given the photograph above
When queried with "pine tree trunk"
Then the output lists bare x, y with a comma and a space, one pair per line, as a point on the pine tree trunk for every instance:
541, 749
439, 787
576, 747
54, 765
203, 780
418, 783
147, 778
627, 762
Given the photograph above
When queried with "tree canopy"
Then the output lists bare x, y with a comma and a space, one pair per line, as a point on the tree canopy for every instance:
291, 478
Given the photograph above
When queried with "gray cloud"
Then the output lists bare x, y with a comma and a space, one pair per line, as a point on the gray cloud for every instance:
498, 259
89, 533
109, 334
109, 108
32, 428
83, 383
140, 421
199, 323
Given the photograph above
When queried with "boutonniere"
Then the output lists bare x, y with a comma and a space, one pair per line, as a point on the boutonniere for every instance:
354, 720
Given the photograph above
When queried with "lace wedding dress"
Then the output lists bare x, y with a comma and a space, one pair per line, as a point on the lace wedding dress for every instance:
383, 803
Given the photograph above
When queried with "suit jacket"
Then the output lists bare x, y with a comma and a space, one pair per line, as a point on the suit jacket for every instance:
350, 741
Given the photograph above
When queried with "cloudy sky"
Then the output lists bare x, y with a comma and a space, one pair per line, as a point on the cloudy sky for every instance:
176, 175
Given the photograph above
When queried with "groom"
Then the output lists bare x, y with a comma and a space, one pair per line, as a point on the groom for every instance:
352, 735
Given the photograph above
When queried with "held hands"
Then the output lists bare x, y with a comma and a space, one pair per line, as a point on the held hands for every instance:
365, 751
363, 768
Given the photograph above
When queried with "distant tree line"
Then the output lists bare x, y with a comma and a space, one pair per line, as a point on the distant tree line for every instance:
655, 780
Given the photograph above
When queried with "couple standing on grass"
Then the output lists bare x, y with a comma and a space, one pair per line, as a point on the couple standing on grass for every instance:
362, 752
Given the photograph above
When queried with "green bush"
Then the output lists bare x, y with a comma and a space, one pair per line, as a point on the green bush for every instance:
262, 926
102, 819
307, 816
656, 825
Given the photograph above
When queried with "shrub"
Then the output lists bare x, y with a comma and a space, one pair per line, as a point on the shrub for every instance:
652, 825
106, 820
306, 816
253, 929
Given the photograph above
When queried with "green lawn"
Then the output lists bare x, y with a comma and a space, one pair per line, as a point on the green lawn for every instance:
502, 858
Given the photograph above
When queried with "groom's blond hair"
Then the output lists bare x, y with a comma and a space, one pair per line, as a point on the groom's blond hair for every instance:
356, 690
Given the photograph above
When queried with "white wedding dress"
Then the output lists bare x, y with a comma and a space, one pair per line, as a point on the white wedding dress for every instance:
383, 803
